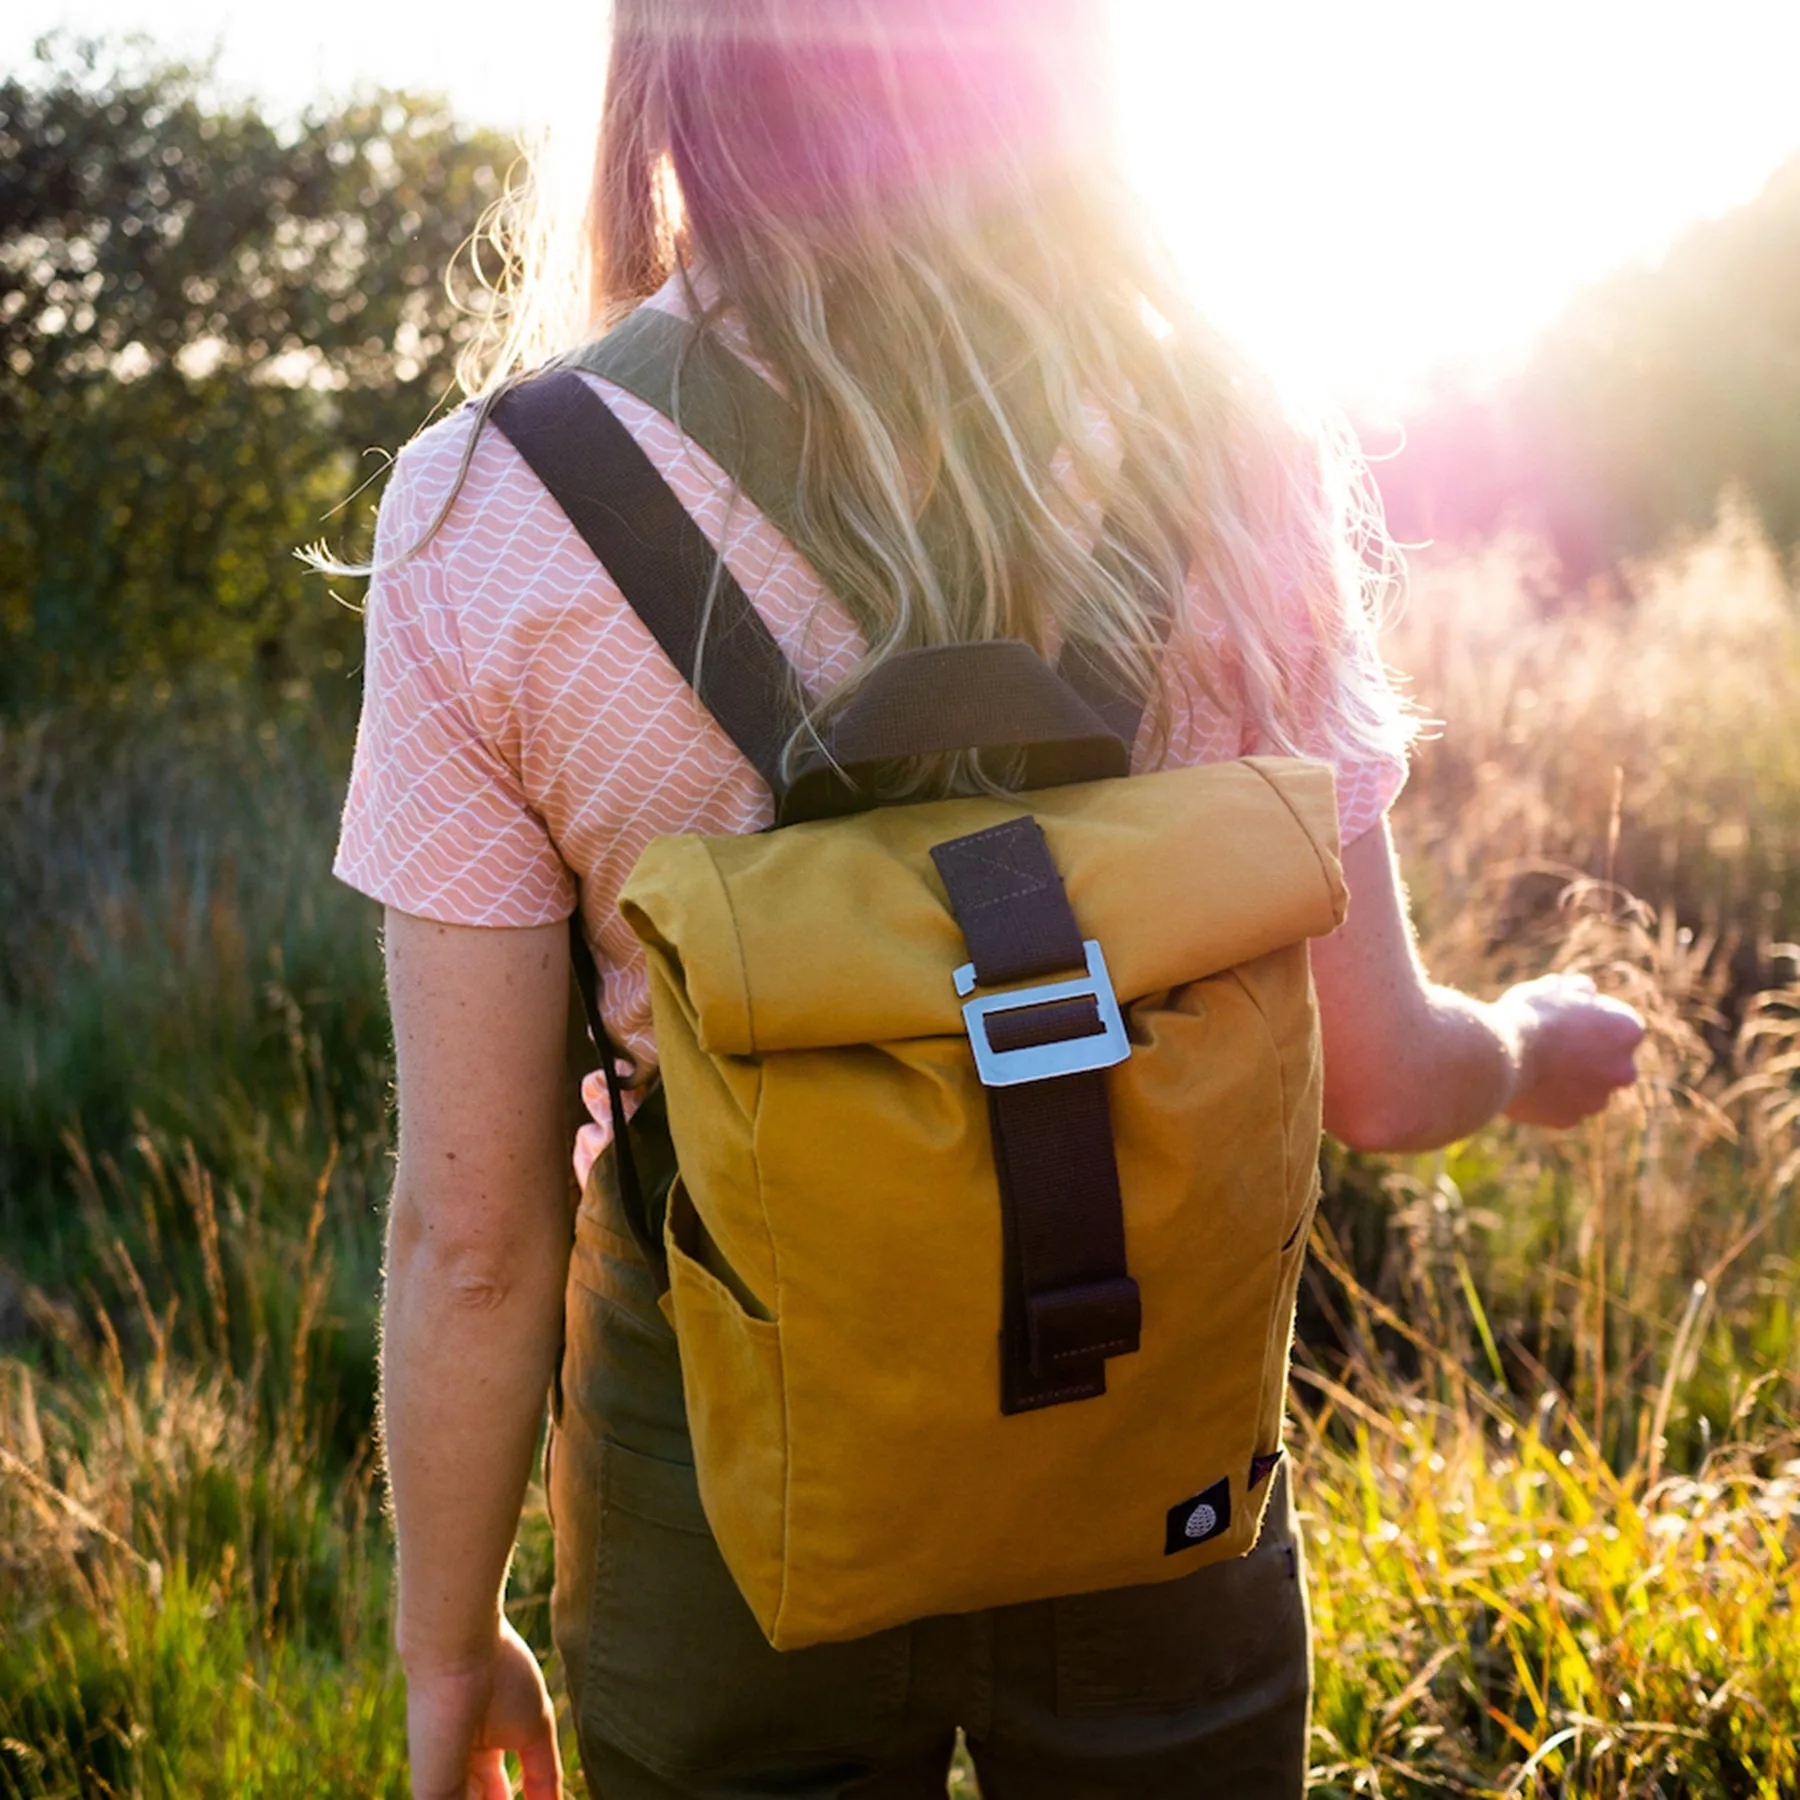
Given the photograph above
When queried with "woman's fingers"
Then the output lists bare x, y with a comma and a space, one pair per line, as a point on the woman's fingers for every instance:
1609, 1033
541, 1766
487, 1777
522, 1719
462, 1722
1576, 1048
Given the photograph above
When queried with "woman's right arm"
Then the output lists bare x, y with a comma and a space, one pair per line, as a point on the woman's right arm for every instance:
1410, 1065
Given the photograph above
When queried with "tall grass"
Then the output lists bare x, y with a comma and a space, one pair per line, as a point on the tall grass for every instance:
1545, 1414
1546, 1399
194, 1148
193, 1137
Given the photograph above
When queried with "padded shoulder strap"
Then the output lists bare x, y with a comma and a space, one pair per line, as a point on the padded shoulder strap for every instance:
717, 399
753, 433
669, 573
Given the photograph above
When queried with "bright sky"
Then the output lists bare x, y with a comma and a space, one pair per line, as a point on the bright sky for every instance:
1362, 191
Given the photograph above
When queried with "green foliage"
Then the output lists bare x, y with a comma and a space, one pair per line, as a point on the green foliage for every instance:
191, 1031
1497, 1599
170, 1692
205, 321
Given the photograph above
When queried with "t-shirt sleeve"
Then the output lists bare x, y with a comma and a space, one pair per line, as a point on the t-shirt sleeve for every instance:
1370, 778
436, 823
1346, 713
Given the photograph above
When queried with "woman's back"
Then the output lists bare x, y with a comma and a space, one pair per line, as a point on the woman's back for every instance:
522, 731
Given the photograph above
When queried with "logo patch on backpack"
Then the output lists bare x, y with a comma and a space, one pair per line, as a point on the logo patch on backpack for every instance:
1199, 1517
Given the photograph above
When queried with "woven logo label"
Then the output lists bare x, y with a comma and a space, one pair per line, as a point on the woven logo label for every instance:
1202, 1522
1198, 1518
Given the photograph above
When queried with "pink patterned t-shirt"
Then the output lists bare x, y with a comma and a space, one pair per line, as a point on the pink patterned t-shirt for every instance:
521, 728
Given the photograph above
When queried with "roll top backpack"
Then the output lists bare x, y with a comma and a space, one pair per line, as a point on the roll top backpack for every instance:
994, 1121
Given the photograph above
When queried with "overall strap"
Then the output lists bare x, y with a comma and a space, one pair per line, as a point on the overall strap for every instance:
753, 433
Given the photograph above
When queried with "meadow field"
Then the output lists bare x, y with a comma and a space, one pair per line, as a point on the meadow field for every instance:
1544, 1410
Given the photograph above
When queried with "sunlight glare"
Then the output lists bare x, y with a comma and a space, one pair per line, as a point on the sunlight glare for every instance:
1362, 192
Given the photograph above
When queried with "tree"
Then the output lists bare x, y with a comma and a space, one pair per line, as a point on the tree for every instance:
205, 319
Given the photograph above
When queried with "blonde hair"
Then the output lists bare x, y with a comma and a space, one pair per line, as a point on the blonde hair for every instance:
913, 211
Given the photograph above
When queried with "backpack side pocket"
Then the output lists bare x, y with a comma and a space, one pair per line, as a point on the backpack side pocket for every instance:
731, 1373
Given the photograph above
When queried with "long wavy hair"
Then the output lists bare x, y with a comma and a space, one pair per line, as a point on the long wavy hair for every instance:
913, 213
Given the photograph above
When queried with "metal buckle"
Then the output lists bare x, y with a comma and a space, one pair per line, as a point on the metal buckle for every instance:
1040, 1062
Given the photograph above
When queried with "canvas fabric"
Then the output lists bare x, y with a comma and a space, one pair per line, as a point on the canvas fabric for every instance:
835, 1289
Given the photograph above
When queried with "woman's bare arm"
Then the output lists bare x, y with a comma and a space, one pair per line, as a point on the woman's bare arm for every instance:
478, 1245
1410, 1065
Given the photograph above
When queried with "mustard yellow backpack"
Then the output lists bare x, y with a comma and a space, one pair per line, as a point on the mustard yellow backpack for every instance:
996, 1120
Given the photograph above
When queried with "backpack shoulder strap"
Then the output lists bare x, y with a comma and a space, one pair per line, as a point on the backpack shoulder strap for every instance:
753, 433
671, 577
734, 415
667, 570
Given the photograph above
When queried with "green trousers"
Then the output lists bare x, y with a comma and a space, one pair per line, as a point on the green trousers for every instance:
1194, 1688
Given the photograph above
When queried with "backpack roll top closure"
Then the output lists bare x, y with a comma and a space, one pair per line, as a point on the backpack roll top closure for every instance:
839, 1166
839, 933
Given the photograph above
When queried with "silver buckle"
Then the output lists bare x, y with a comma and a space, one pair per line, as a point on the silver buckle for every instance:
1039, 1062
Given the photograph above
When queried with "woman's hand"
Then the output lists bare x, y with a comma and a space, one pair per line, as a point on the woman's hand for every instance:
460, 1721
1410, 1065
1575, 1047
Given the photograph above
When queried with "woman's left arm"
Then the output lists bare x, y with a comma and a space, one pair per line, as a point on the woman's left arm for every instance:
477, 1253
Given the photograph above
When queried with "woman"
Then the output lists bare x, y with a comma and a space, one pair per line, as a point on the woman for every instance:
907, 214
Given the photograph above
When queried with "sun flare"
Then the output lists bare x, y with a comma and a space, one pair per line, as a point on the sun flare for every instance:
1361, 193
1360, 190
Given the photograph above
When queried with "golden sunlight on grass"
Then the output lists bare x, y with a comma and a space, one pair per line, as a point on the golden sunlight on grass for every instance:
1545, 1417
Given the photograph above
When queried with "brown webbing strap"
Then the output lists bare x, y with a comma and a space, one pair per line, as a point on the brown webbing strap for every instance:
1068, 1302
667, 570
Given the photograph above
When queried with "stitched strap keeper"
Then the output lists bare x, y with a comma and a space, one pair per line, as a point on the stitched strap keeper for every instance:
1065, 1324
